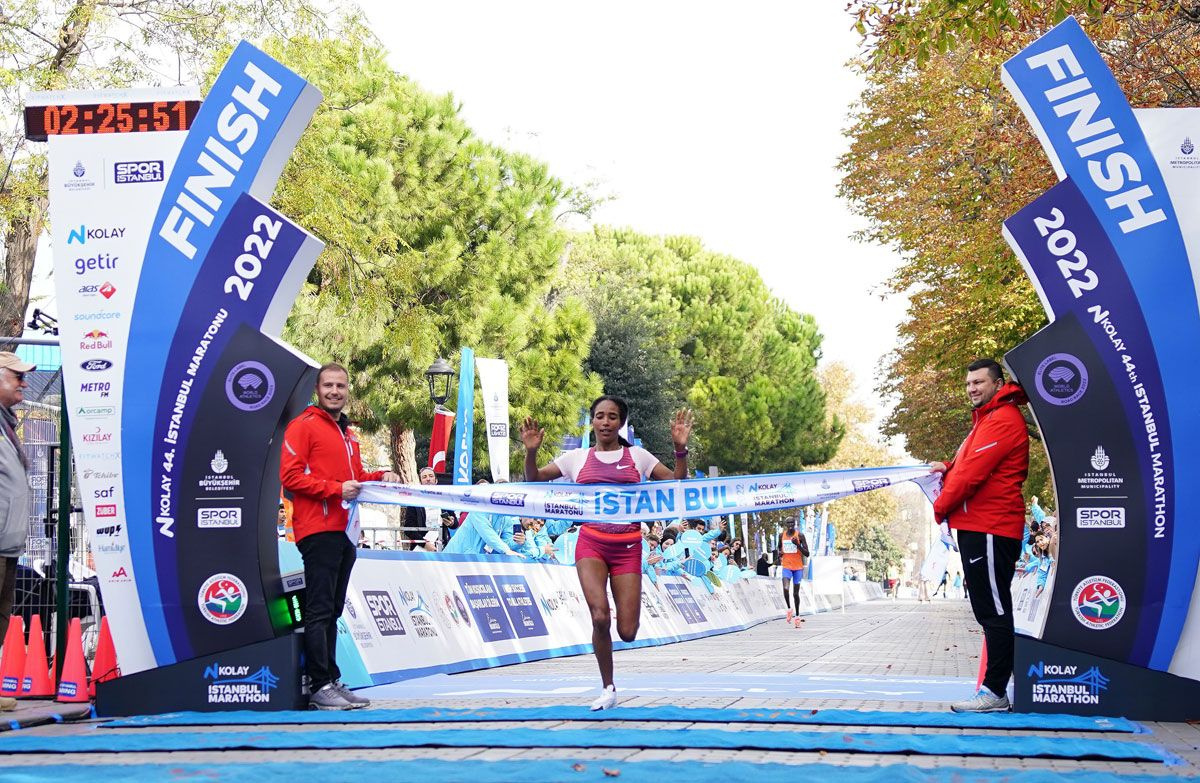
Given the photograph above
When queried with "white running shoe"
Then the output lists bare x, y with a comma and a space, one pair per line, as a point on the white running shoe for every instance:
984, 701
606, 700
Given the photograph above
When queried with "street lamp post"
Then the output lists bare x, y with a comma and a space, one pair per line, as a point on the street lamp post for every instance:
439, 375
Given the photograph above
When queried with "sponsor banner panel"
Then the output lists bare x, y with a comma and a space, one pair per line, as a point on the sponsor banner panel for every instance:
104, 190
1172, 135
653, 500
261, 677
1101, 583
411, 614
1052, 679
237, 144
255, 253
226, 494
1115, 485
1092, 136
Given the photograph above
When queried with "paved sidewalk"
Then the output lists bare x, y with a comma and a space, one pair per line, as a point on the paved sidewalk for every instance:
894, 656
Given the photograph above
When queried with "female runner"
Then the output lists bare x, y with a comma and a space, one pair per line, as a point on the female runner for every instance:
609, 554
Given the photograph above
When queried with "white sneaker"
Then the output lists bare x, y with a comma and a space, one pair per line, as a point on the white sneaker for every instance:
606, 700
984, 701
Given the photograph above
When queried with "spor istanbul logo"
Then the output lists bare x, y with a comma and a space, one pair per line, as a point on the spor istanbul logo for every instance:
1061, 379
250, 386
1098, 603
222, 599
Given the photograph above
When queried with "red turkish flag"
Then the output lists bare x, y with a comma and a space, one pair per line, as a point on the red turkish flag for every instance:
443, 423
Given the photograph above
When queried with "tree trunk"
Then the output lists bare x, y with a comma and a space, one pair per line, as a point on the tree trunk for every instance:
404, 452
20, 242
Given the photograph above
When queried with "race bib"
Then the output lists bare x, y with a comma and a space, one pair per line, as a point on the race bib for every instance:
789, 547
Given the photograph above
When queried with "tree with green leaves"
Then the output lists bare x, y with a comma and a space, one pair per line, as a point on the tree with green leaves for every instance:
435, 240
877, 541
630, 353
91, 44
746, 361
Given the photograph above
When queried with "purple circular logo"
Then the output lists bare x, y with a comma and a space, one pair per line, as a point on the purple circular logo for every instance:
1061, 379
250, 386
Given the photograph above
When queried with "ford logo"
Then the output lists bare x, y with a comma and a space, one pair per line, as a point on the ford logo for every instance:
96, 365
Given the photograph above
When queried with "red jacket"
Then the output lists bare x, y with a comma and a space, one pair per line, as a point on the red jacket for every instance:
982, 488
318, 457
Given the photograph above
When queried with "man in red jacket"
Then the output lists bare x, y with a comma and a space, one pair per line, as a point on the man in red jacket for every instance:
981, 498
321, 466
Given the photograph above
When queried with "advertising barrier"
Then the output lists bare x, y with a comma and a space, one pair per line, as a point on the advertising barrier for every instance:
410, 614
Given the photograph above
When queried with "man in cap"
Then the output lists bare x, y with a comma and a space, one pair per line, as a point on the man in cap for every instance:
14, 488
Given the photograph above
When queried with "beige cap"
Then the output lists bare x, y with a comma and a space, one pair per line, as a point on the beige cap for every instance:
11, 361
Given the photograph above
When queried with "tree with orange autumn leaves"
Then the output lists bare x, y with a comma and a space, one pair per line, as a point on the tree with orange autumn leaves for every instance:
941, 155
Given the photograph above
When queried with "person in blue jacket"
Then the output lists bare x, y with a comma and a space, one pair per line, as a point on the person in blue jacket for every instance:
530, 539
479, 530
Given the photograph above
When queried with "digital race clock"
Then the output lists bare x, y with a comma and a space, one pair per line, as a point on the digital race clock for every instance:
95, 118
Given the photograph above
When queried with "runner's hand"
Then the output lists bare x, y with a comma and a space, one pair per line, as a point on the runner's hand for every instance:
531, 434
681, 428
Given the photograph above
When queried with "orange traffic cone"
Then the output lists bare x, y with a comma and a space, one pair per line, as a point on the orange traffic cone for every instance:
982, 666
36, 682
105, 667
73, 687
12, 665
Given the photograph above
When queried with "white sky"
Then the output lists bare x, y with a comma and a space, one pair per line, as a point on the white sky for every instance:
717, 120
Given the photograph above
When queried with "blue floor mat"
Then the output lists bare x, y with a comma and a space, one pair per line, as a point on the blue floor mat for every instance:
580, 771
993, 720
610, 737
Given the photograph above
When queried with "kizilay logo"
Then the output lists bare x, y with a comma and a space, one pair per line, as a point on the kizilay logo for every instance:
1061, 684
236, 685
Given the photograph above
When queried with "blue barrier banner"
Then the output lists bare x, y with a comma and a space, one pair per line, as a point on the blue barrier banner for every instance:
1091, 135
464, 426
237, 144
653, 500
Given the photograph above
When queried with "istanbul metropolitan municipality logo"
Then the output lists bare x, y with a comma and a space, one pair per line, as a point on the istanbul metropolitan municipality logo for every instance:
1061, 379
222, 599
250, 386
1187, 148
1098, 603
1100, 459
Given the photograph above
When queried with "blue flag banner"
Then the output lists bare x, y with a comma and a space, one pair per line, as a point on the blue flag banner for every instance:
464, 431
653, 500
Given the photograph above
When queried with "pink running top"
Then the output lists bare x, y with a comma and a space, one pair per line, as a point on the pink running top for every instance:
623, 471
